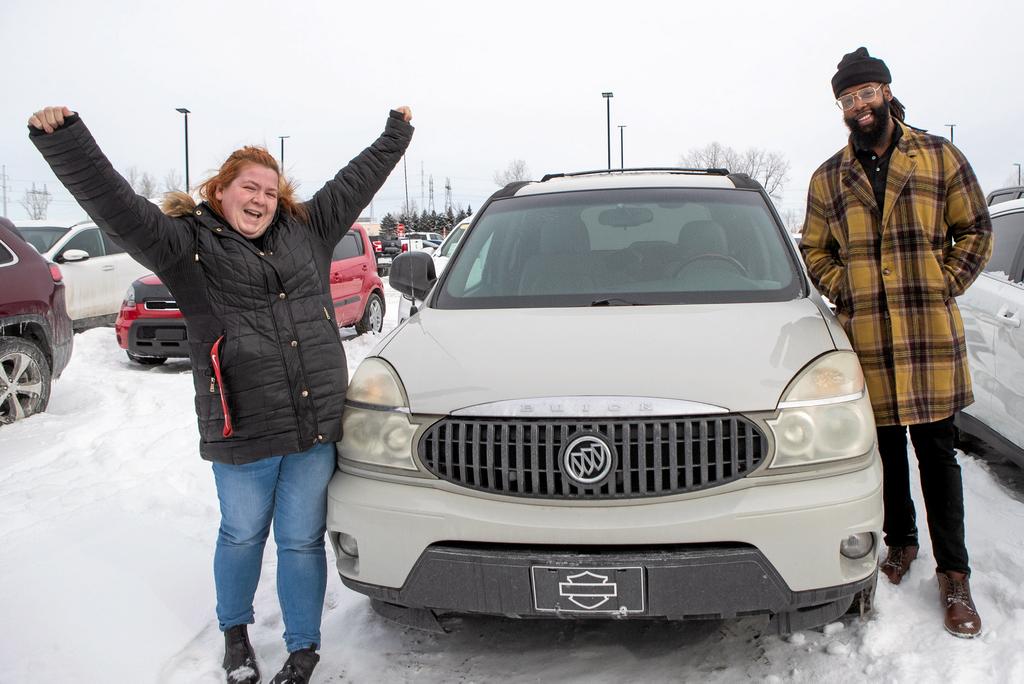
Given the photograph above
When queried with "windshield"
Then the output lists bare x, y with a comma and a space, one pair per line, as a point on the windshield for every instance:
43, 237
621, 247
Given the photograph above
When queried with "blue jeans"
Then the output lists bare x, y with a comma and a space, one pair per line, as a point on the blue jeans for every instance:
291, 491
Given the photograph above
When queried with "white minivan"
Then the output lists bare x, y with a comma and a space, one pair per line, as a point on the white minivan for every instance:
96, 270
636, 406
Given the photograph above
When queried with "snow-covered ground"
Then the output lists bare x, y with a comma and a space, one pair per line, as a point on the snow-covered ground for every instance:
107, 524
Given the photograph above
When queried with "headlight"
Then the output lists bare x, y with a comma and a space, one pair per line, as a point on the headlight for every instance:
376, 425
825, 415
129, 298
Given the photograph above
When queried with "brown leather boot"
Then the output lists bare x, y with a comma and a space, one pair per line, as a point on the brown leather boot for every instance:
897, 562
962, 619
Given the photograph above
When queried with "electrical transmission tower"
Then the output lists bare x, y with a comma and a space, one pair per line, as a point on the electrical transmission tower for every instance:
448, 195
431, 205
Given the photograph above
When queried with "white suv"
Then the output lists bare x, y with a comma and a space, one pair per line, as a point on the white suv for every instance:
97, 271
637, 406
993, 308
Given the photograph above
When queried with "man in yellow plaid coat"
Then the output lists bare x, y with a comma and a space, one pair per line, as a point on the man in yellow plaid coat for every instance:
897, 227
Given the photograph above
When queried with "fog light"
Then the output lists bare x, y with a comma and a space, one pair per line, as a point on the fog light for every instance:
348, 545
856, 545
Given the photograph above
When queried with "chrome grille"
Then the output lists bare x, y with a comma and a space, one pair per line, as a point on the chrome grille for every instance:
655, 457
161, 305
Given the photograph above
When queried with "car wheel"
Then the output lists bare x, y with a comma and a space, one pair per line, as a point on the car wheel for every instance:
146, 360
373, 315
24, 379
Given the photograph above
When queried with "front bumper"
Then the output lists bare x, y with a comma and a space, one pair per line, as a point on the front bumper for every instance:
746, 548
683, 583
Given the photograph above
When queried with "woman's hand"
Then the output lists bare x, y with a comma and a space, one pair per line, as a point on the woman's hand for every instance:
406, 112
50, 119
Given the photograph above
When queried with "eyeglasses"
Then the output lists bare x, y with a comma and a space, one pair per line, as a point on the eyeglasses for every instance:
864, 95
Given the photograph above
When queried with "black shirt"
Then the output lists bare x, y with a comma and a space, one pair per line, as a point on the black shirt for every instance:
877, 167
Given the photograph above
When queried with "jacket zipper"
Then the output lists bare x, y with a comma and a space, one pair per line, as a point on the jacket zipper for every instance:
215, 364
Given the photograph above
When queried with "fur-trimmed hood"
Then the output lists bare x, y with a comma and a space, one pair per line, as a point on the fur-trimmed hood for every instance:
178, 204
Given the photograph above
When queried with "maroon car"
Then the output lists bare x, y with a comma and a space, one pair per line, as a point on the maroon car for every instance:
150, 328
35, 331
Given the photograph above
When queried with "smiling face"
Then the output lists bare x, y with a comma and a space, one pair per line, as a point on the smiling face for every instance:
868, 119
250, 200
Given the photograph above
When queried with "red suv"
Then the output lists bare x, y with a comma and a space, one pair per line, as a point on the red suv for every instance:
150, 328
35, 331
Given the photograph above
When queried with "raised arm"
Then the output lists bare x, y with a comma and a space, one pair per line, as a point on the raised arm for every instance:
133, 221
336, 205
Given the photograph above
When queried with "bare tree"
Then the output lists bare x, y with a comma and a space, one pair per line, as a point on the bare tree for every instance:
36, 202
131, 174
146, 186
515, 171
715, 155
793, 219
172, 182
770, 169
142, 183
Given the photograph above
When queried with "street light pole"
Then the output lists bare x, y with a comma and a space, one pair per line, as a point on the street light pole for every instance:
1018, 172
405, 173
951, 127
282, 138
186, 112
608, 99
622, 157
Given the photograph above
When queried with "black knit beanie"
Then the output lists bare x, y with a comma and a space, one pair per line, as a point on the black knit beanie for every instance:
859, 67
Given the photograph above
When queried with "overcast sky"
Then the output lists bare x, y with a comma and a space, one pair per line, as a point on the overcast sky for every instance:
493, 82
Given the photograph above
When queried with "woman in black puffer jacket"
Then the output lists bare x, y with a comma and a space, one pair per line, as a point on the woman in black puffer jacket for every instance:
249, 267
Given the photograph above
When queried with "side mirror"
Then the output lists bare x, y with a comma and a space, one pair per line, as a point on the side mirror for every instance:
72, 255
412, 274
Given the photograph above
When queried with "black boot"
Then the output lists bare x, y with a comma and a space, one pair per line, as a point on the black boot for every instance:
239, 658
298, 668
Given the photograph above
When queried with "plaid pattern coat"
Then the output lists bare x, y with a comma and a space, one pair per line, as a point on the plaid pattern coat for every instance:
893, 275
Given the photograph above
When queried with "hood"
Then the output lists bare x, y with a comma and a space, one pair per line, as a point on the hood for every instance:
738, 357
178, 204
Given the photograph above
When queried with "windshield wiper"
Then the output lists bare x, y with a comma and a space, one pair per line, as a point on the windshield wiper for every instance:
614, 301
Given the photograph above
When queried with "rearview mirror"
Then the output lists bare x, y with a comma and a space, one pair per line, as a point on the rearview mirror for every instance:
625, 217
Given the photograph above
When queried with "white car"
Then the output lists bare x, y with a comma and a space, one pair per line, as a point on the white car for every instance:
992, 309
430, 237
440, 256
636, 406
97, 272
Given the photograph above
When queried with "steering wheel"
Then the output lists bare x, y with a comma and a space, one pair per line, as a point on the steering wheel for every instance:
712, 256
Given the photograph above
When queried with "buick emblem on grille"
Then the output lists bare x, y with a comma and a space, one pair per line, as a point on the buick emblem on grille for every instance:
587, 459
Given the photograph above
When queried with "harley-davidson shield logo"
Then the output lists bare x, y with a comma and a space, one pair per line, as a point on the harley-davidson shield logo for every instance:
588, 590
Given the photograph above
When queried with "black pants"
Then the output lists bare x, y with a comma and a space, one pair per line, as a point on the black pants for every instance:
940, 482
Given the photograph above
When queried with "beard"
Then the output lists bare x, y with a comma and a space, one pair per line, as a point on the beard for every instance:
869, 137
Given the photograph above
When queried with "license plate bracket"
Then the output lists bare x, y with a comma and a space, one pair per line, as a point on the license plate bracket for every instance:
589, 590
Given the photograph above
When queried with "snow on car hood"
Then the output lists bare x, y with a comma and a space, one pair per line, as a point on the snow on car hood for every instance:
739, 357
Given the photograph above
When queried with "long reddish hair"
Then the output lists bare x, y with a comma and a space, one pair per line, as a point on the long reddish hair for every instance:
232, 167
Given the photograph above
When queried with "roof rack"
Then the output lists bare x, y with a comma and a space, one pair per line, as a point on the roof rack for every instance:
664, 169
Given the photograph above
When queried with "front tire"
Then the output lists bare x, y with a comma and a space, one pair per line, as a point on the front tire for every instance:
373, 315
24, 379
